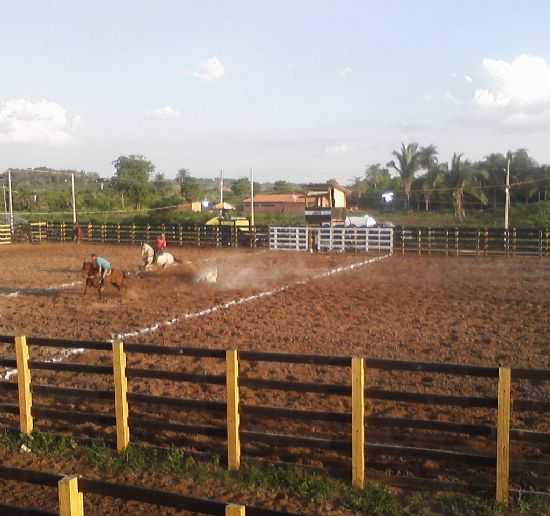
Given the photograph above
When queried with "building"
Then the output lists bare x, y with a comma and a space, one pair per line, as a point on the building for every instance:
286, 203
325, 203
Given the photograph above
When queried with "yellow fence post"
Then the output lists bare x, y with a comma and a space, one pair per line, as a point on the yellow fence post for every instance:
233, 419
235, 510
71, 500
503, 434
121, 400
24, 384
358, 422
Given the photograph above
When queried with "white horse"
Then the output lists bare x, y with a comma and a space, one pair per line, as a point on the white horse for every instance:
209, 275
163, 259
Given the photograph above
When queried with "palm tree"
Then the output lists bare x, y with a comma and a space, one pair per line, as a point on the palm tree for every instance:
408, 163
495, 166
182, 178
462, 178
426, 183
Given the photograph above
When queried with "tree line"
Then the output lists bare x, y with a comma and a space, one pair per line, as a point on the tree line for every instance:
421, 182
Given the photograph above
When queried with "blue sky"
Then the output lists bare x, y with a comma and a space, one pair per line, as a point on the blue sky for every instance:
298, 90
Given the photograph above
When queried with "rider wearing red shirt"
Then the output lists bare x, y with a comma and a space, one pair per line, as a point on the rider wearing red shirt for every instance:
160, 245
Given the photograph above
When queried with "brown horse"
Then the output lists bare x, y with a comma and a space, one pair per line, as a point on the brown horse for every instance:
92, 279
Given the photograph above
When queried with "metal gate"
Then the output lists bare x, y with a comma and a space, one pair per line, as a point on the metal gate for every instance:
355, 239
289, 238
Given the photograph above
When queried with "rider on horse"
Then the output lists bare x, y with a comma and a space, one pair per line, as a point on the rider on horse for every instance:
160, 245
103, 265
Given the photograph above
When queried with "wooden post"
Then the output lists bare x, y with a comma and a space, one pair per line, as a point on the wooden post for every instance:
71, 500
233, 419
121, 400
235, 510
358, 422
24, 385
503, 434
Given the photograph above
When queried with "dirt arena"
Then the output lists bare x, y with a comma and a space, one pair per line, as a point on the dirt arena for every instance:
483, 311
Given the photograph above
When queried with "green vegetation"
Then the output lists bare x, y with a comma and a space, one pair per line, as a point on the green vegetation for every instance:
426, 192
312, 489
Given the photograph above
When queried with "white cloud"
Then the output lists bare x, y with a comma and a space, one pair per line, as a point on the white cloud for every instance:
467, 78
164, 113
451, 98
521, 83
345, 72
35, 121
210, 70
340, 148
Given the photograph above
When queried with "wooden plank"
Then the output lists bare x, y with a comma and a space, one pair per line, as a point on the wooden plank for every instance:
358, 422
234, 510
211, 379
161, 424
503, 435
24, 385
186, 404
233, 438
71, 500
121, 401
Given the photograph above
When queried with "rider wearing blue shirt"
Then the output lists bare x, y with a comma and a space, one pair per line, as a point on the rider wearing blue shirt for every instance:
103, 264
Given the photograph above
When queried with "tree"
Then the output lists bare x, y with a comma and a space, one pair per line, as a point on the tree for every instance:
283, 187
495, 166
132, 174
408, 163
377, 176
182, 177
463, 177
428, 182
241, 188
522, 168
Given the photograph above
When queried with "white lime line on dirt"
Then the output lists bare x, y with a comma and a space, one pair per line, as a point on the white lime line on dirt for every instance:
240, 301
193, 315
66, 353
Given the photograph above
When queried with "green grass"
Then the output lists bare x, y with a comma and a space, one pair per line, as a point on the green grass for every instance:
531, 215
313, 489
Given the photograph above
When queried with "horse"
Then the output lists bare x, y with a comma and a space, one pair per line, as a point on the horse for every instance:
92, 279
163, 259
209, 275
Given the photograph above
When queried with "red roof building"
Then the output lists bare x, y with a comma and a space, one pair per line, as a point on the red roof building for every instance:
291, 203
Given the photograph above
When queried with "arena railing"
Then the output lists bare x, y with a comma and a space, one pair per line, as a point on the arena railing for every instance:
448, 241
71, 490
355, 445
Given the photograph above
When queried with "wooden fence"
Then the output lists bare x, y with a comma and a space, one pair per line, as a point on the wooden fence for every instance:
5, 234
458, 241
355, 446
176, 234
473, 242
71, 490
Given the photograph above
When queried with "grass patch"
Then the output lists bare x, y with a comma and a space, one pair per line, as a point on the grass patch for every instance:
315, 490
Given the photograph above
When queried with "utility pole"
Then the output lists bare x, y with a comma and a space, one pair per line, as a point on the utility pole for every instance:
252, 197
12, 225
221, 186
507, 205
5, 204
74, 198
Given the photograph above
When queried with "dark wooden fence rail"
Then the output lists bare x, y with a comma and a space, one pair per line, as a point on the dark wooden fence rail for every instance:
71, 490
473, 241
372, 450
176, 234
459, 241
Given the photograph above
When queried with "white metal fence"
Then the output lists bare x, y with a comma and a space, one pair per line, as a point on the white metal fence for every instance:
289, 238
330, 239
355, 239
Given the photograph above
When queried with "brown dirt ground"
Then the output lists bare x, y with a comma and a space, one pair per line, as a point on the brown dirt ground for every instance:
485, 311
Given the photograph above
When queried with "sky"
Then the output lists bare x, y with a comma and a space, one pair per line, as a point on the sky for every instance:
299, 90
